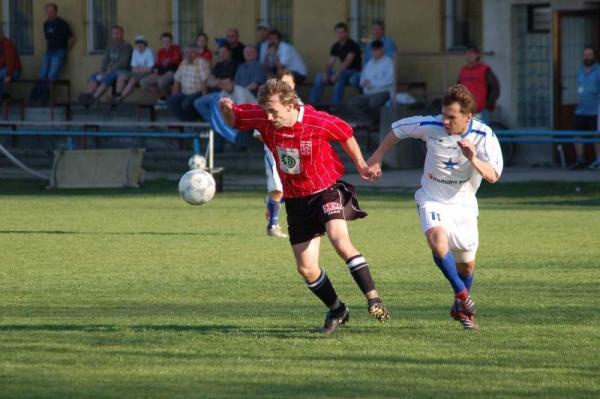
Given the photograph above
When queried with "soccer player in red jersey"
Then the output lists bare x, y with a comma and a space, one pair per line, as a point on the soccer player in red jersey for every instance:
316, 200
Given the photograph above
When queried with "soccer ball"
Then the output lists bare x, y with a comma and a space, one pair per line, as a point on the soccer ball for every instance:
197, 187
197, 162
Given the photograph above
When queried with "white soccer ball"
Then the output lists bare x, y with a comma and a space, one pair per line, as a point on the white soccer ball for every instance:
197, 187
197, 162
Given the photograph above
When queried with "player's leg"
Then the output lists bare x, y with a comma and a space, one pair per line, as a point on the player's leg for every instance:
435, 219
275, 189
337, 231
317, 281
466, 272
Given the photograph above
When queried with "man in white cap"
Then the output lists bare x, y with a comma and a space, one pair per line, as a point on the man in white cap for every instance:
142, 62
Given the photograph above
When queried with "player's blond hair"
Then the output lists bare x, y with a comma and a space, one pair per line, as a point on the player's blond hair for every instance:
287, 96
461, 95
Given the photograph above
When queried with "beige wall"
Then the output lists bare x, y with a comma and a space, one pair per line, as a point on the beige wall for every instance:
417, 28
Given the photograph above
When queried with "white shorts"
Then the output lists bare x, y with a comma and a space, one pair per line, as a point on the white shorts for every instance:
273, 180
460, 223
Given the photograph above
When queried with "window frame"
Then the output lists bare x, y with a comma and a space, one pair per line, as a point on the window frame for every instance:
449, 17
264, 18
176, 21
90, 27
6, 25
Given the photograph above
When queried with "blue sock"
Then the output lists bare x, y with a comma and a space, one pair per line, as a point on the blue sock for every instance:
468, 281
448, 267
273, 209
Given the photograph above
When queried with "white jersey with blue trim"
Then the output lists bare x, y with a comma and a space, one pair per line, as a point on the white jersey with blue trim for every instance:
448, 177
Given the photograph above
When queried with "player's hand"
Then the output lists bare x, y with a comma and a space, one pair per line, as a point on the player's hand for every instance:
374, 168
226, 104
467, 148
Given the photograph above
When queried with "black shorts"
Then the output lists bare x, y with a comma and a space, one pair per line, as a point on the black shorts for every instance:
585, 122
307, 216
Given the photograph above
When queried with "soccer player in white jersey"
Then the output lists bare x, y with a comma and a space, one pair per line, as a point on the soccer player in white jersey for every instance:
461, 150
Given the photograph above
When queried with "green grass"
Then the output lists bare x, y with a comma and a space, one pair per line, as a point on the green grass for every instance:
133, 293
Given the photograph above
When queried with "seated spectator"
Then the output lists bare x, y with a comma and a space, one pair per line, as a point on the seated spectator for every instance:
117, 58
225, 66
10, 63
190, 83
377, 82
250, 74
208, 108
59, 39
203, 50
347, 52
282, 55
378, 33
142, 62
262, 40
169, 58
233, 42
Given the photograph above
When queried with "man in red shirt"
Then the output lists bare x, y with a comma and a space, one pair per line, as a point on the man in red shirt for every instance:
10, 62
168, 59
316, 200
481, 82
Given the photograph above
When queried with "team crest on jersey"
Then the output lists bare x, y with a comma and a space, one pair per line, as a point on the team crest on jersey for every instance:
305, 147
289, 160
332, 207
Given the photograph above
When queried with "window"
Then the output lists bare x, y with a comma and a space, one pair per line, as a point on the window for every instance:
463, 24
362, 15
539, 18
102, 16
278, 14
188, 20
18, 24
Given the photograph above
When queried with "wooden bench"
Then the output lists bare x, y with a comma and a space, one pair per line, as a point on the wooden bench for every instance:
66, 83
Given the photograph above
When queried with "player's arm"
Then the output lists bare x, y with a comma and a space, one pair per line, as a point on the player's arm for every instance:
343, 66
404, 128
352, 148
485, 168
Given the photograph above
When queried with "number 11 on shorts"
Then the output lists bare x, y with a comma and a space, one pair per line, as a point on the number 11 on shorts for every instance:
435, 216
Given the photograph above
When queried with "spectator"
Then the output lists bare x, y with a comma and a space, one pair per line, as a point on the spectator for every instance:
117, 58
250, 74
190, 83
208, 107
348, 73
59, 39
169, 58
203, 50
10, 63
378, 33
225, 66
481, 82
377, 82
233, 42
282, 55
588, 83
142, 63
262, 43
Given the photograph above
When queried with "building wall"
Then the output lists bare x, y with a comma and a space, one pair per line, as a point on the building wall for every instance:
417, 27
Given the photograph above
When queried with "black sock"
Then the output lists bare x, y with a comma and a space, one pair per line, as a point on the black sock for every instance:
359, 268
323, 289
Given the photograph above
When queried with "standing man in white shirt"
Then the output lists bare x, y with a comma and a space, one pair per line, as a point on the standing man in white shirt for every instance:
142, 62
376, 81
461, 151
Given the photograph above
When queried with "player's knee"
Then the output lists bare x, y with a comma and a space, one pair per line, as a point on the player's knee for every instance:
308, 272
437, 240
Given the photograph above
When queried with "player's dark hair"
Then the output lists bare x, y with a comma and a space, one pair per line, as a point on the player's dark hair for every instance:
53, 5
461, 95
119, 27
341, 25
287, 95
167, 34
375, 44
380, 23
276, 33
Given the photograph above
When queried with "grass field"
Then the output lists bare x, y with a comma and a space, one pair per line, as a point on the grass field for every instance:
133, 293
